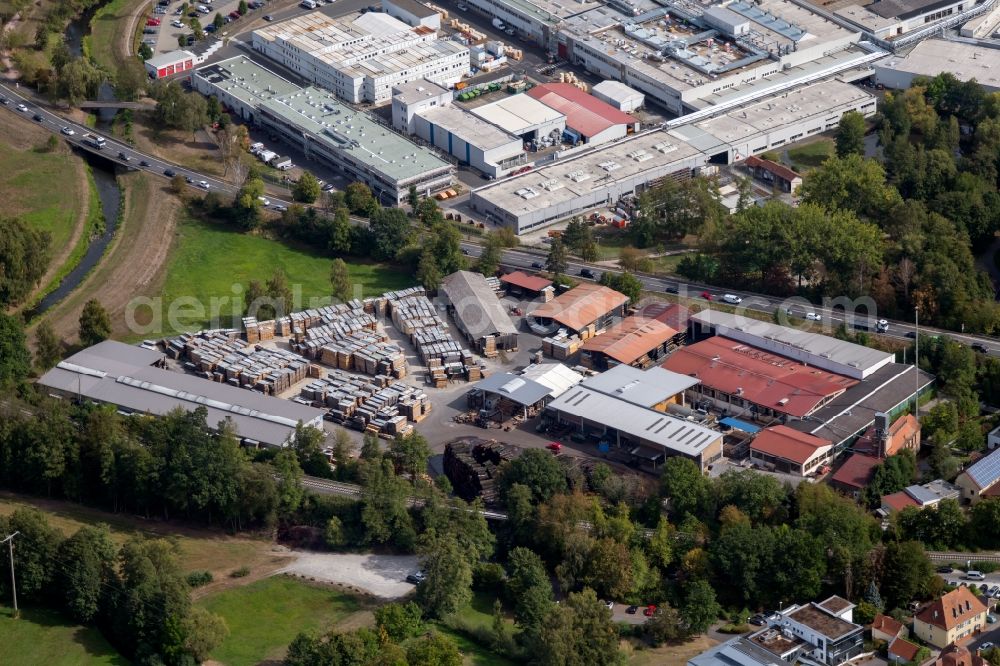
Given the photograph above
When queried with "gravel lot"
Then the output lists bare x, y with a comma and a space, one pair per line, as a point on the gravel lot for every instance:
381, 575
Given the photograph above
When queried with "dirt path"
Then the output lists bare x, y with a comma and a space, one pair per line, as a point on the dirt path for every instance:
5, 59
135, 262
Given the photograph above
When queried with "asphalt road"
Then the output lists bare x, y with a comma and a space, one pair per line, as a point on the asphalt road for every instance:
830, 318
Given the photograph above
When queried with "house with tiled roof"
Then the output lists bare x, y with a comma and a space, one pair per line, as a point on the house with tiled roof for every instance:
855, 474
956, 615
774, 174
958, 655
902, 651
902, 435
787, 450
919, 496
981, 479
885, 628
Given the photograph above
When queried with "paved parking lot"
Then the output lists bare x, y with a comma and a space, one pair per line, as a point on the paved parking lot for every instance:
166, 34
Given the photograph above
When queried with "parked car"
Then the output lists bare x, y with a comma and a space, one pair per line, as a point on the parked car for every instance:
632, 610
991, 619
416, 577
328, 187
177, 24
944, 570
4, 101
988, 645
587, 273
650, 611
68, 131
995, 591
610, 605
733, 299
757, 620
980, 348
972, 574
210, 28
555, 447
813, 316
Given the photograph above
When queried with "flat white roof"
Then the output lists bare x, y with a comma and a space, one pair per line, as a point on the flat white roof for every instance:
616, 90
934, 56
170, 58
517, 114
417, 91
471, 129
645, 388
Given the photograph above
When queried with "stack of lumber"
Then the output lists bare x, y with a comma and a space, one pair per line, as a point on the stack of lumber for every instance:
495, 284
223, 357
378, 404
416, 317
561, 346
472, 465
258, 331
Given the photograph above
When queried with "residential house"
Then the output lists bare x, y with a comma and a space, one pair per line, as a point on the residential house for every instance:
956, 615
981, 479
855, 474
885, 628
902, 651
956, 655
920, 496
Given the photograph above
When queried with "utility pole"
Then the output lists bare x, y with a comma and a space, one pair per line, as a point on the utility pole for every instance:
13, 583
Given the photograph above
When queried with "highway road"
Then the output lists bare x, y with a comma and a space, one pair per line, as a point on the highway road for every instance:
791, 310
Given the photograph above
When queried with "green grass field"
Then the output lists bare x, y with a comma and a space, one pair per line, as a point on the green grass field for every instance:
42, 189
107, 28
208, 260
45, 637
811, 155
265, 616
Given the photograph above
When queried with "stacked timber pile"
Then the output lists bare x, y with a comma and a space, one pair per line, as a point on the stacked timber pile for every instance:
416, 317
364, 351
561, 346
472, 465
258, 331
222, 357
379, 405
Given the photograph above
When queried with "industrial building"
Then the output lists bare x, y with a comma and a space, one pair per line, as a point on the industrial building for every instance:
168, 64
618, 95
886, 19
655, 388
425, 109
361, 57
686, 56
583, 310
536, 21
412, 13
504, 395
532, 286
963, 60
478, 313
776, 121
314, 121
814, 349
523, 116
634, 341
775, 175
741, 379
598, 177
646, 435
780, 448
588, 119
133, 380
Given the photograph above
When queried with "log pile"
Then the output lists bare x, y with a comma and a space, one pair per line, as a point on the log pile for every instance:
472, 465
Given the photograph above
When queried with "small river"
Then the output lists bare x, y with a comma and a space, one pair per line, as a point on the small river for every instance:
105, 178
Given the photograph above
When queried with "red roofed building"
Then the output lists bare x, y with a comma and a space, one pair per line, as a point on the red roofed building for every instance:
595, 121
583, 310
673, 315
773, 173
957, 655
855, 473
530, 284
787, 450
898, 501
956, 615
742, 379
902, 651
632, 341
885, 628
904, 434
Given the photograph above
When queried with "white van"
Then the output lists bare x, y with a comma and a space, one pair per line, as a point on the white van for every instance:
732, 299
308, 4
974, 575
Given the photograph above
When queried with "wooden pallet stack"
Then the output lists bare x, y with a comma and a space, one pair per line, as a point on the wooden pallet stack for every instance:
416, 317
379, 404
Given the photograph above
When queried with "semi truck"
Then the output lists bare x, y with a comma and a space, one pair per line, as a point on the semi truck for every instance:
94, 141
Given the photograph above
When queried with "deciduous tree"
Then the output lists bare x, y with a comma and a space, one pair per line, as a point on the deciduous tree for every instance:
95, 324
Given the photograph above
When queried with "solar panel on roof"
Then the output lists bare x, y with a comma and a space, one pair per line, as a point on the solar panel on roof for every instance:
986, 471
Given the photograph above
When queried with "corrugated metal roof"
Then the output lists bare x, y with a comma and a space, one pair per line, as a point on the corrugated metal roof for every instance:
132, 383
769, 380
581, 305
525, 281
476, 305
517, 114
640, 387
556, 376
630, 339
647, 425
585, 113
521, 390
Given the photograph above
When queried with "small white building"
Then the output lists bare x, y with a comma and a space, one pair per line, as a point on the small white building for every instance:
168, 64
409, 99
523, 116
471, 139
618, 95
412, 13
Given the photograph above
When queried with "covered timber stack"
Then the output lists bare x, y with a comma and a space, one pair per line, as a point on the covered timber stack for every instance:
379, 405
